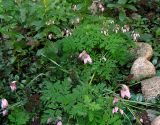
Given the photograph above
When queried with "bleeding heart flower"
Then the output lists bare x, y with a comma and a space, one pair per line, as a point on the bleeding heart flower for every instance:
125, 28
135, 36
115, 110
5, 112
13, 86
59, 123
121, 111
85, 57
115, 100
125, 92
4, 103
141, 120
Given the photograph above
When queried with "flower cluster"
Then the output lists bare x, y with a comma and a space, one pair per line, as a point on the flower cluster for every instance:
50, 22
116, 28
76, 21
116, 109
124, 92
135, 36
85, 57
105, 32
67, 32
96, 6
125, 28
4, 105
49, 121
4, 102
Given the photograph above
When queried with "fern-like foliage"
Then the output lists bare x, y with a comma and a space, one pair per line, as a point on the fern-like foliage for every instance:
71, 95
107, 51
18, 117
87, 102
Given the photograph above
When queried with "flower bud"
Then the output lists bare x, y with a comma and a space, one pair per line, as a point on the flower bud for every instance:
13, 86
4, 103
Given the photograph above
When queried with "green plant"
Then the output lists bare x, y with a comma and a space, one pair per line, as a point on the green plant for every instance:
72, 104
108, 51
74, 93
122, 6
18, 117
40, 46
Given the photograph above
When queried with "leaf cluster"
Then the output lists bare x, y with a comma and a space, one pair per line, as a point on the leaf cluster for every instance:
107, 51
83, 104
18, 117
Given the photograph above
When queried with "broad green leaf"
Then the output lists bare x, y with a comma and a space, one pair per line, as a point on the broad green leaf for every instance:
111, 5
158, 32
23, 14
19, 116
146, 37
131, 7
122, 2
122, 15
158, 73
155, 60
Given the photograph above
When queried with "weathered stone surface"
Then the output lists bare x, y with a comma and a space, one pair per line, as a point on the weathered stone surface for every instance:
156, 121
143, 50
152, 114
151, 87
142, 69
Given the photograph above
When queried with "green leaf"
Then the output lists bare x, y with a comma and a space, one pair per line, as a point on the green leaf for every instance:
18, 116
155, 60
122, 15
158, 32
131, 7
111, 5
23, 14
158, 73
122, 2
146, 37
91, 116
37, 24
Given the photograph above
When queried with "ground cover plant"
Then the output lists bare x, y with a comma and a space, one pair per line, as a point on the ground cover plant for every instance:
68, 61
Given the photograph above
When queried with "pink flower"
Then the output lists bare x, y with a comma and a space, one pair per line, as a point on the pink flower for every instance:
59, 123
13, 86
125, 28
141, 120
125, 92
116, 28
115, 100
121, 111
101, 7
4, 103
115, 110
85, 57
5, 112
135, 36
